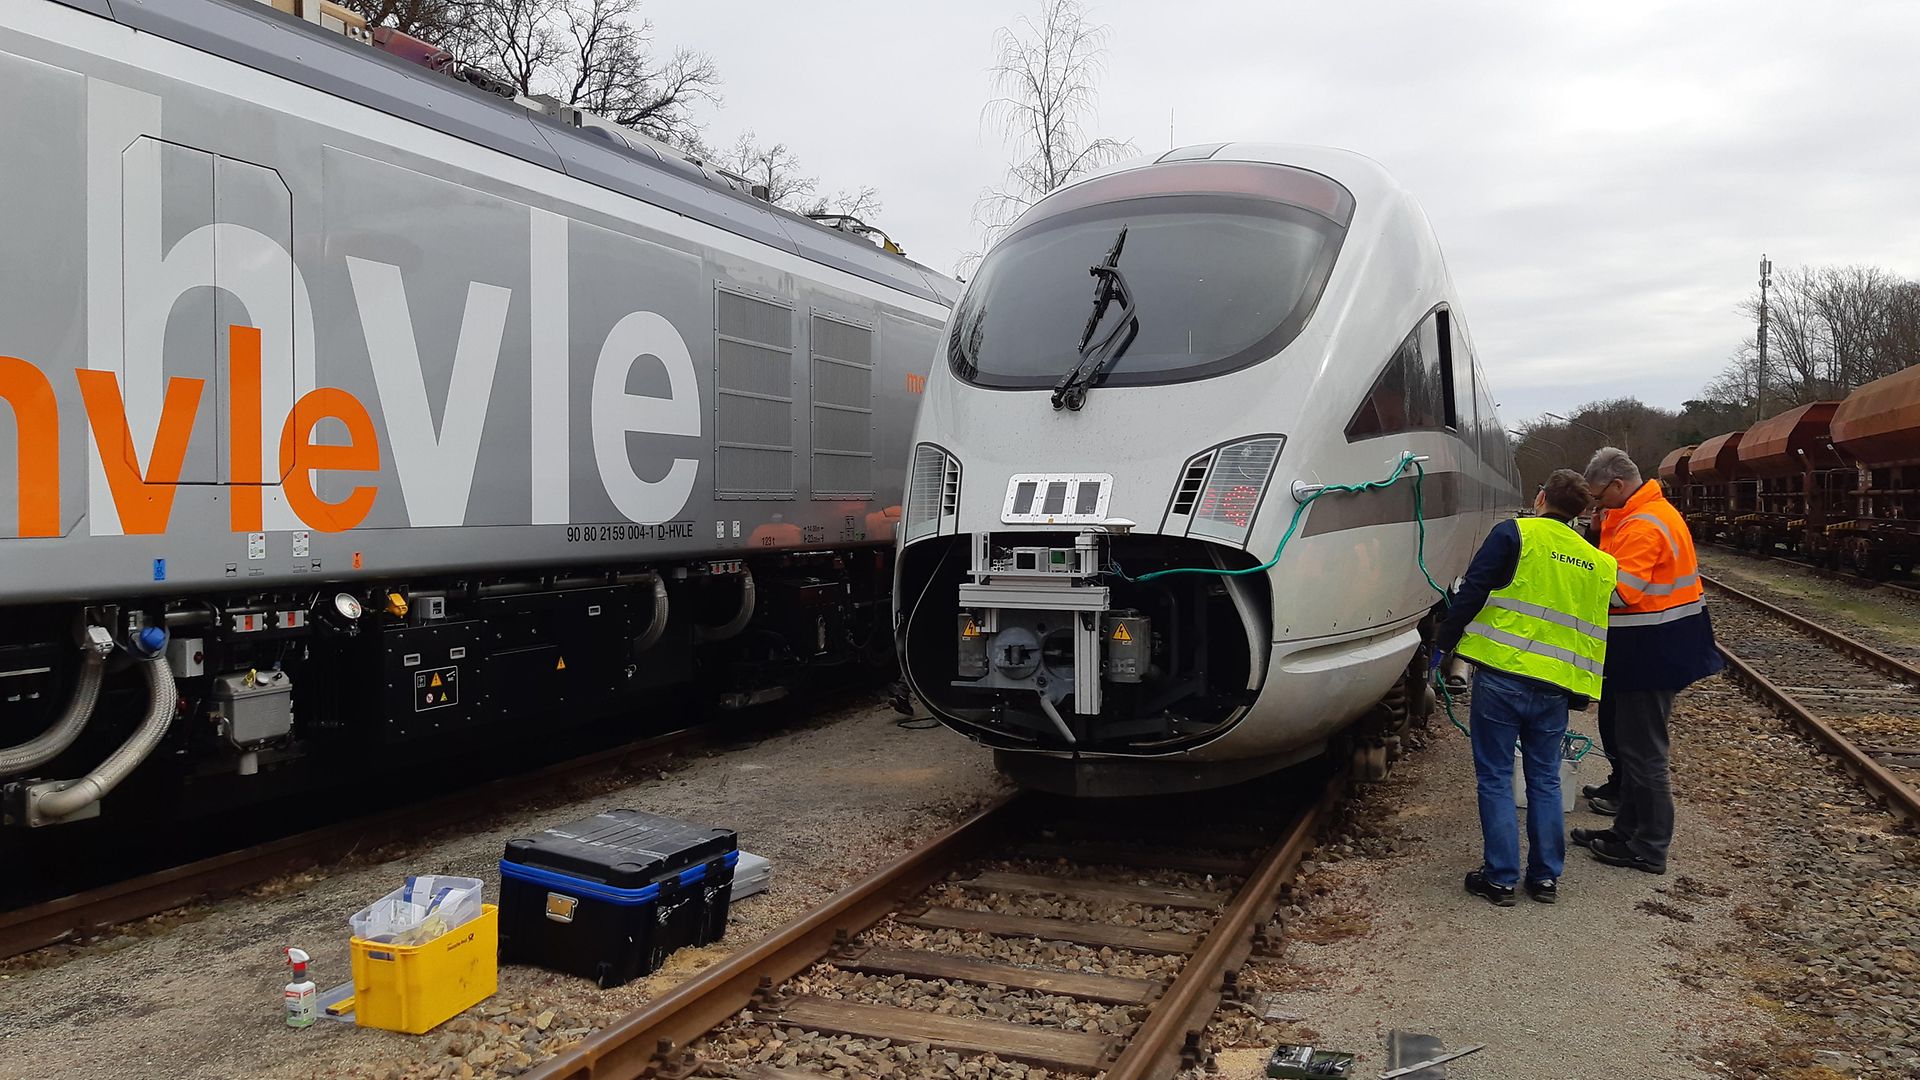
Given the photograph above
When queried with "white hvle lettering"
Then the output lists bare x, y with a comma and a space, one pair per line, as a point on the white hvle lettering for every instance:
133, 283
616, 412
435, 468
552, 469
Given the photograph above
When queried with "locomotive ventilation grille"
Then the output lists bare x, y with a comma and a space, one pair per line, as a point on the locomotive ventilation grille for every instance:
1190, 485
933, 496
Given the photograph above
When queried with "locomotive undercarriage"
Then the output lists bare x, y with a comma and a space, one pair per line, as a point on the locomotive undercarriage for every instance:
283, 691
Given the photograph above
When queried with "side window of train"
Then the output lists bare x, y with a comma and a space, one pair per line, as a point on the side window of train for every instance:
1414, 390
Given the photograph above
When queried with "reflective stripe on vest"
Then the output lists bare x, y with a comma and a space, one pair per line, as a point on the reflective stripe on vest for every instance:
1550, 623
1540, 648
1657, 618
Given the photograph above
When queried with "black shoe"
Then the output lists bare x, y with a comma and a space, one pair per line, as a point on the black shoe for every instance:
1613, 852
1609, 791
1603, 807
1586, 837
1544, 892
1497, 895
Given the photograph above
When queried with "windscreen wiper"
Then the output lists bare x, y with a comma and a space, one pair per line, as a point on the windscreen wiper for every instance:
1071, 391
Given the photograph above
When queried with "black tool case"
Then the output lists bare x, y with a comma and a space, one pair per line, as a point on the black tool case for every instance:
608, 897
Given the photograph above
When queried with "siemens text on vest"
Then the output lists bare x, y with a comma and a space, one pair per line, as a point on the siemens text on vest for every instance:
1581, 563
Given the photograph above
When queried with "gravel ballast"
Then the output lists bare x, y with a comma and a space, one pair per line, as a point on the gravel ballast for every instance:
200, 997
1781, 944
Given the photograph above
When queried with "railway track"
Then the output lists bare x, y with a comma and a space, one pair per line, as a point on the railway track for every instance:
82, 914
1892, 588
1863, 704
1025, 916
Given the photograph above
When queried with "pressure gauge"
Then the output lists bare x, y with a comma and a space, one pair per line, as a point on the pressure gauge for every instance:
348, 605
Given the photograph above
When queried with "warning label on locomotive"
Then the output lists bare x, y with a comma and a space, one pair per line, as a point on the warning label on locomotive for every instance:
436, 688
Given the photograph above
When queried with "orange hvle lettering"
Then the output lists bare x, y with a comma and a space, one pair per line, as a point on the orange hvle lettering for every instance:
36, 422
300, 455
243, 428
144, 502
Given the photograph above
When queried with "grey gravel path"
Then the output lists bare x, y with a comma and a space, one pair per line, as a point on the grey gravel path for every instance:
198, 995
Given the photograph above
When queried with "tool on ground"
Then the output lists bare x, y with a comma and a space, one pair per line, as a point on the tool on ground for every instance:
300, 995
1420, 1066
1308, 1063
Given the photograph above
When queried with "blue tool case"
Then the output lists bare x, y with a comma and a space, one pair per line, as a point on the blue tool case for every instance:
610, 896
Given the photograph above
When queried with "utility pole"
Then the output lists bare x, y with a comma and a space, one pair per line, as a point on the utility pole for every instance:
1760, 371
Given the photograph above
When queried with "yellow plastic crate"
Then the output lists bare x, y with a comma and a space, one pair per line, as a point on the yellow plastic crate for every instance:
416, 988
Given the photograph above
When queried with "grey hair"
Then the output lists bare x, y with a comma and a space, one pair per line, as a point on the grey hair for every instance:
1611, 463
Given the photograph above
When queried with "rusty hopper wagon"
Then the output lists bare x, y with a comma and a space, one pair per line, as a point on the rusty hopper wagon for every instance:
1722, 489
1675, 475
1878, 428
1799, 480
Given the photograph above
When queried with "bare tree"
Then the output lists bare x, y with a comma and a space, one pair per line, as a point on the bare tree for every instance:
860, 202
775, 167
1832, 328
596, 54
437, 21
1045, 78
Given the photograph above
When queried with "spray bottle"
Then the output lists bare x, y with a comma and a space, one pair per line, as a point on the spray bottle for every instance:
302, 998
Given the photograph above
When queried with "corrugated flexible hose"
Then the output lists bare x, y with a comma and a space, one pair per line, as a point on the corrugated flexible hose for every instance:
76, 795
54, 741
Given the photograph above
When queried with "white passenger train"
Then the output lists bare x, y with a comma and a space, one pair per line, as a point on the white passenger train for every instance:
1102, 476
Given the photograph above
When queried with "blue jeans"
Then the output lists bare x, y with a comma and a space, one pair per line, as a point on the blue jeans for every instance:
1509, 709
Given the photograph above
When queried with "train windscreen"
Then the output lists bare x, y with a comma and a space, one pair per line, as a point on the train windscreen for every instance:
1217, 283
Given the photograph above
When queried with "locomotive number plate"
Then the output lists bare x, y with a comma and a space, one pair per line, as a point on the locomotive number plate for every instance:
1057, 498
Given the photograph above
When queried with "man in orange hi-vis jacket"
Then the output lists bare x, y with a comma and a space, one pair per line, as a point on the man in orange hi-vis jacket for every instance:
1659, 641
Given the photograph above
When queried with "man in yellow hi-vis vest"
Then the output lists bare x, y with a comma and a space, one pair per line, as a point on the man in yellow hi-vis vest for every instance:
1531, 615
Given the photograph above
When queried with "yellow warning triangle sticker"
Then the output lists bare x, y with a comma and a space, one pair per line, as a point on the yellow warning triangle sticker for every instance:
970, 630
436, 680
1120, 632
560, 664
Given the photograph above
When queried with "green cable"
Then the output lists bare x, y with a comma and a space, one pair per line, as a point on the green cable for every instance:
1420, 548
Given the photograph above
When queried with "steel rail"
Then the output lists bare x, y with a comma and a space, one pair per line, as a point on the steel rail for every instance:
1180, 1016
1900, 796
50, 922
656, 1040
1867, 584
1858, 649
659, 1033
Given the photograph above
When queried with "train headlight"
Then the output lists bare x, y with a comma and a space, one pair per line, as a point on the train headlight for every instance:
933, 492
1235, 485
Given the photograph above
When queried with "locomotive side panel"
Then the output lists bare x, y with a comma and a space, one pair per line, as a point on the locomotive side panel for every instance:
479, 361
366, 435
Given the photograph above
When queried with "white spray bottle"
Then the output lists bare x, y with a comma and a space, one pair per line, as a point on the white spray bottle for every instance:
302, 998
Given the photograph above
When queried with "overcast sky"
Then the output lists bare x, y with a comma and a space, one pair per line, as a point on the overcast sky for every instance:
1603, 177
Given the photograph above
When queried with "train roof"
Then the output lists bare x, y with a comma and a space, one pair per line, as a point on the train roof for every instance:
1673, 467
1366, 182
286, 46
1879, 424
1792, 442
1717, 460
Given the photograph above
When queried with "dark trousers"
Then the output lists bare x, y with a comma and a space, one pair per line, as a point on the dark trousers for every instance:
1606, 742
1633, 724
